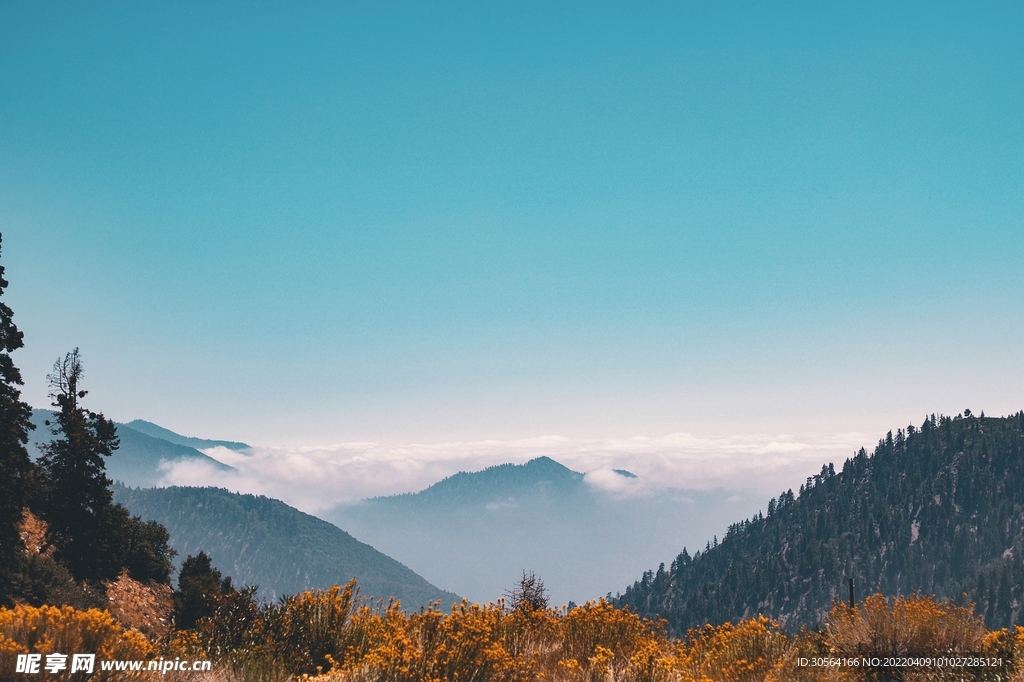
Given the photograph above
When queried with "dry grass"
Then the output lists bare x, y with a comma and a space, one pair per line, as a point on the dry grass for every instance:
33, 534
146, 608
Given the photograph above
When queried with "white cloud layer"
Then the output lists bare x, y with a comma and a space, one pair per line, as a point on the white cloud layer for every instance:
316, 478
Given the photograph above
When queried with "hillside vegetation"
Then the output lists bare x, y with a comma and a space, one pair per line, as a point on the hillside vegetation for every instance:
333, 636
264, 542
937, 509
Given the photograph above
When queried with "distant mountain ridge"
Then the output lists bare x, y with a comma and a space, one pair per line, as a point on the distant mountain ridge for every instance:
937, 509
151, 429
475, 532
260, 541
256, 540
138, 460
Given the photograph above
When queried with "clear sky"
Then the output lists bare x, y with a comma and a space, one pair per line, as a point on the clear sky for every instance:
294, 223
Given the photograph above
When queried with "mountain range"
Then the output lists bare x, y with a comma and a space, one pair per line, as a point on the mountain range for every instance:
476, 532
937, 509
143, 454
155, 431
255, 540
473, 533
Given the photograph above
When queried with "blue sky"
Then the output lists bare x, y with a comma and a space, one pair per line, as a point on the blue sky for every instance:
447, 222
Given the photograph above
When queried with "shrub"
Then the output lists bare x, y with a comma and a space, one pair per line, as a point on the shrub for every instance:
51, 629
328, 634
748, 652
911, 626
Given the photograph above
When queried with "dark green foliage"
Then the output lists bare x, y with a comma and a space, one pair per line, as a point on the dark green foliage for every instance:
199, 587
239, 624
43, 580
939, 509
140, 546
93, 537
15, 465
77, 500
300, 635
267, 543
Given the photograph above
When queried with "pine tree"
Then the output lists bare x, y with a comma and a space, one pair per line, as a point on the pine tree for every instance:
140, 546
199, 586
77, 501
15, 464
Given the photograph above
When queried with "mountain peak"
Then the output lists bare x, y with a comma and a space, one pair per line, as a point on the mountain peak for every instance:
546, 464
541, 472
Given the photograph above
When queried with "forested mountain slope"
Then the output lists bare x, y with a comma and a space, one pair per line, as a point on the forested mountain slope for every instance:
937, 509
264, 542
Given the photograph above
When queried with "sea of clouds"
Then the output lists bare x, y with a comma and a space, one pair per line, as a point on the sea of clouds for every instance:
316, 478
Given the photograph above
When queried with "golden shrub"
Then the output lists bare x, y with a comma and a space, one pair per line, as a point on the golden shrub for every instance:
52, 629
309, 629
916, 627
751, 651
486, 643
604, 642
324, 634
904, 626
467, 644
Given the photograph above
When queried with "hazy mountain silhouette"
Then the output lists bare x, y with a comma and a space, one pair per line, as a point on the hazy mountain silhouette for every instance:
137, 461
260, 541
476, 532
151, 429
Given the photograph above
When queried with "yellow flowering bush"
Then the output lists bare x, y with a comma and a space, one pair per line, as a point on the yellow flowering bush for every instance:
471, 643
328, 636
53, 629
904, 626
746, 652
915, 626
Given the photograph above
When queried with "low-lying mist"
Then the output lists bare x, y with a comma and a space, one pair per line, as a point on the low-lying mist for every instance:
633, 504
317, 478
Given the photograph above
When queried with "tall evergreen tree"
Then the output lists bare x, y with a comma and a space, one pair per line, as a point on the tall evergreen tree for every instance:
140, 546
77, 501
199, 586
15, 463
